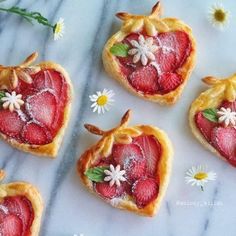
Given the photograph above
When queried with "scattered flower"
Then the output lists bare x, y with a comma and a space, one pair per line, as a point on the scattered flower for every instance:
227, 116
199, 176
114, 175
59, 29
12, 101
102, 100
143, 50
218, 16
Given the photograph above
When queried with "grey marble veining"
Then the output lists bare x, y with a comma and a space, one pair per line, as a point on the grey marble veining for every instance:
69, 208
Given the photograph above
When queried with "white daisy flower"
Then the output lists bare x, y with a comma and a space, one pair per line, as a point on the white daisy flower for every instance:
143, 50
218, 16
101, 100
59, 29
12, 101
227, 116
199, 176
114, 175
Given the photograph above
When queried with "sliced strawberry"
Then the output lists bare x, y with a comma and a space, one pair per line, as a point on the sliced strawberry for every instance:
145, 79
42, 80
42, 107
179, 42
123, 152
204, 125
169, 82
145, 190
224, 140
11, 226
152, 152
135, 168
21, 207
107, 191
11, 123
165, 60
36, 134
231, 105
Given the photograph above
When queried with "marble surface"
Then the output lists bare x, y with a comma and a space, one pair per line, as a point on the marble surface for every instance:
69, 208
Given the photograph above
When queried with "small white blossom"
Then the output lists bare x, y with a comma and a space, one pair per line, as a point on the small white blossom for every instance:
12, 101
102, 100
114, 175
59, 29
143, 50
219, 16
227, 116
199, 176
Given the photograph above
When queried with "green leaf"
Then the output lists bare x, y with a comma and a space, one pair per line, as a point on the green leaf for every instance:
2, 95
120, 49
211, 114
96, 174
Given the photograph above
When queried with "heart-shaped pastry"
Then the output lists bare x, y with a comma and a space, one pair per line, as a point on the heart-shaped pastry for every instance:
34, 106
212, 117
21, 208
152, 57
129, 167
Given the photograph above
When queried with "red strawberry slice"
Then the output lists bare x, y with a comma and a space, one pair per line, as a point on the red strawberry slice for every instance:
11, 226
42, 107
152, 152
204, 125
42, 80
123, 152
224, 140
179, 42
231, 105
21, 207
135, 168
169, 81
36, 134
145, 190
11, 123
50, 79
107, 191
145, 79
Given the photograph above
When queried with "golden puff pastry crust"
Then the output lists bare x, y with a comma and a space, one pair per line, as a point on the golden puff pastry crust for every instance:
123, 135
51, 149
31, 193
221, 90
151, 24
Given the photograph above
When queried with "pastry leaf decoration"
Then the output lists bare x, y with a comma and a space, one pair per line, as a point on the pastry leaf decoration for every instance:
96, 174
120, 49
121, 134
211, 114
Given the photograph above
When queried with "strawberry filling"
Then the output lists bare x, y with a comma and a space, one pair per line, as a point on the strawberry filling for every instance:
140, 161
223, 139
16, 216
159, 76
41, 116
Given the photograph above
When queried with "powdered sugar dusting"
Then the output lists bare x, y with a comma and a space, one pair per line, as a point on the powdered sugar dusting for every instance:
4, 209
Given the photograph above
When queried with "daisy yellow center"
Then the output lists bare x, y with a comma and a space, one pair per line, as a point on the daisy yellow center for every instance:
102, 100
200, 176
220, 15
58, 28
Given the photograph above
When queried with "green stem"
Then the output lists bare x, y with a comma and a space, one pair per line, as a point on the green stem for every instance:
28, 15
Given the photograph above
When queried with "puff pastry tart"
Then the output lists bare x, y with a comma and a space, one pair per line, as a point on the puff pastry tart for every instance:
152, 57
129, 167
34, 106
21, 209
212, 118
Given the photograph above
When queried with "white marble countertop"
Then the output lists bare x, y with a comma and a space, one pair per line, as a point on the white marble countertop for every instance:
69, 208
